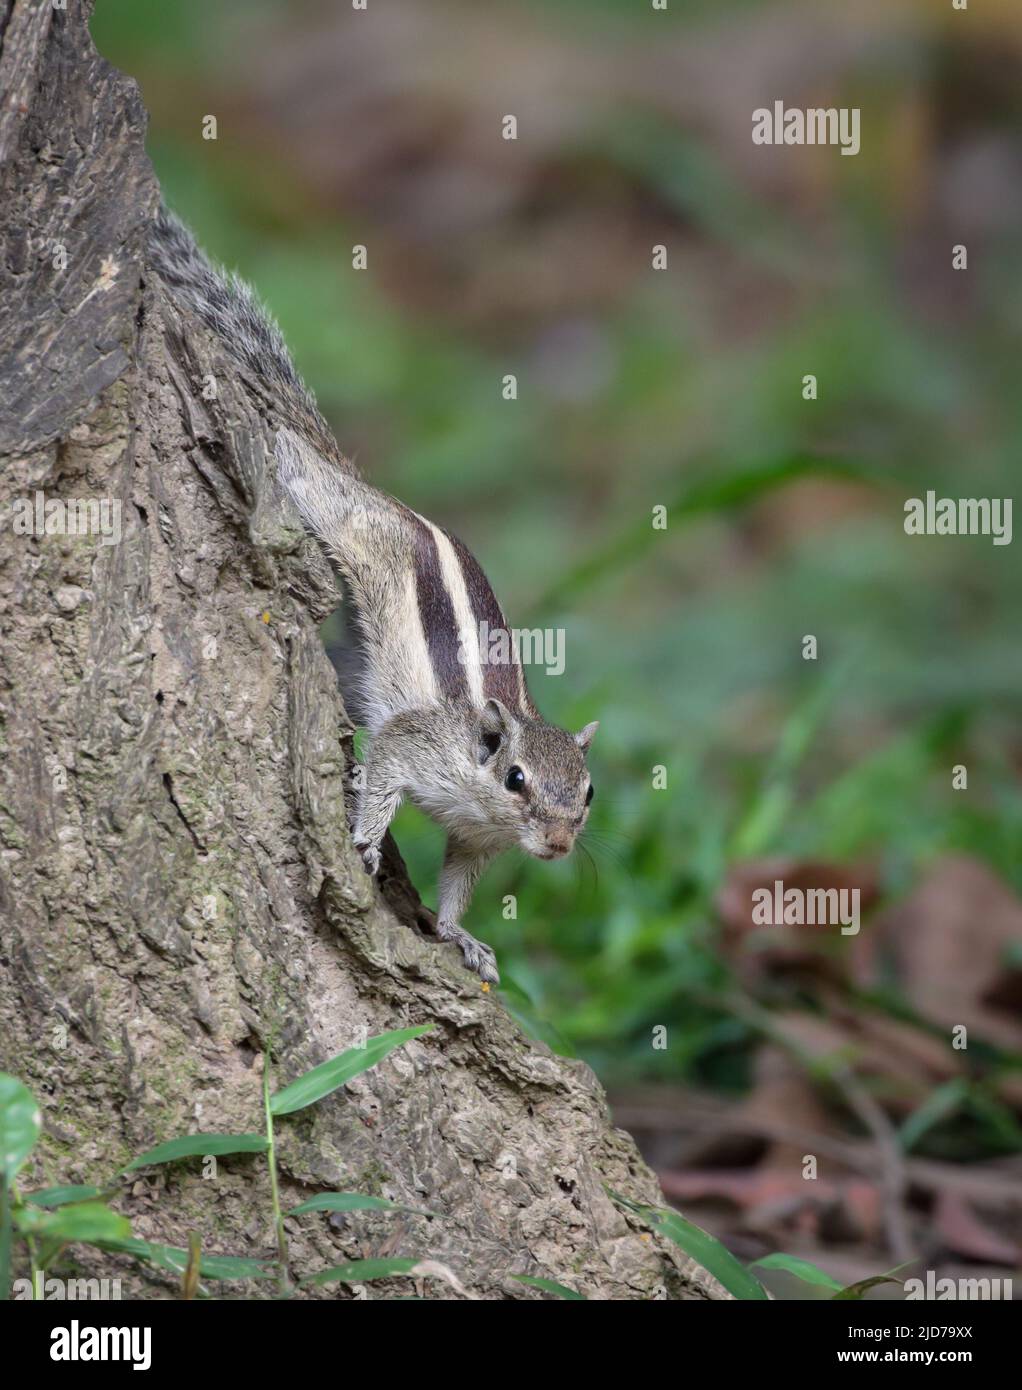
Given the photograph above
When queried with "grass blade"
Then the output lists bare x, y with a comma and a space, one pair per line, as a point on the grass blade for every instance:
699, 1245
359, 1270
854, 1292
174, 1260
713, 493
339, 1070
351, 1201
198, 1146
61, 1196
801, 1269
943, 1101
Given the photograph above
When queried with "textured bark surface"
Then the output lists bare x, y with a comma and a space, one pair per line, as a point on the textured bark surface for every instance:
178, 889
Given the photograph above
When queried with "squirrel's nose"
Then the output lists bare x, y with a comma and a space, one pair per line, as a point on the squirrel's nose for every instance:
558, 841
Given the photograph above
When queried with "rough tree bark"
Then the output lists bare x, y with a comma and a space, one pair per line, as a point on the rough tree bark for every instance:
178, 890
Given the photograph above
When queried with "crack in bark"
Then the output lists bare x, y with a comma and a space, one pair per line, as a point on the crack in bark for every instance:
168, 782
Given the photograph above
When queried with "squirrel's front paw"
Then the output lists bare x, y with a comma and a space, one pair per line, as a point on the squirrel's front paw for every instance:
478, 957
370, 856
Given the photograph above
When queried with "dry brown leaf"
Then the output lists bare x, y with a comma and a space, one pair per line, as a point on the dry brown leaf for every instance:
949, 944
964, 1233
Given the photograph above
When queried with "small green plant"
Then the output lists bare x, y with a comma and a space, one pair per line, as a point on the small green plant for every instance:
58, 1216
54, 1217
737, 1278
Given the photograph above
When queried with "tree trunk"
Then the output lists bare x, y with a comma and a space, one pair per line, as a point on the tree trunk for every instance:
179, 894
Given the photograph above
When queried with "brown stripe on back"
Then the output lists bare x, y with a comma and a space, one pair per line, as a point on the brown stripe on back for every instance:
500, 682
436, 613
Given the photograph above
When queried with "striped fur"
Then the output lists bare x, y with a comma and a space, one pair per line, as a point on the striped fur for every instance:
505, 681
441, 609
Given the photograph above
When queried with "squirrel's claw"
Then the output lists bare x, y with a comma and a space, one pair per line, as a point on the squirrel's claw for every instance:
478, 956
370, 857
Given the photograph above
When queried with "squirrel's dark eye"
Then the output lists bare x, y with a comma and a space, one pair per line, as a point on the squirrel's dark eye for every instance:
515, 779
590, 793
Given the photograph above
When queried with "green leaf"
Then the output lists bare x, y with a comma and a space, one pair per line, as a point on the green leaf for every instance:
88, 1221
198, 1145
351, 1201
171, 1258
20, 1123
943, 1101
714, 492
360, 1270
853, 1292
550, 1286
61, 1196
699, 1245
328, 1076
802, 1269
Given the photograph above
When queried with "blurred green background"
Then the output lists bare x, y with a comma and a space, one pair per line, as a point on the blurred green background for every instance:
680, 388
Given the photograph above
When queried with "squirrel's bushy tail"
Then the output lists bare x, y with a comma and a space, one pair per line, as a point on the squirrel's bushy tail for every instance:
228, 306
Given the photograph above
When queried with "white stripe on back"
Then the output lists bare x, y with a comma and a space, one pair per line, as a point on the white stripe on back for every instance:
464, 620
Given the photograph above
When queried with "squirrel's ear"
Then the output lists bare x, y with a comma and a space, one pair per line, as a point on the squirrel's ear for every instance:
494, 723
585, 736
496, 718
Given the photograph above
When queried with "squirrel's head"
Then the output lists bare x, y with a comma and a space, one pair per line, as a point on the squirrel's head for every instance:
534, 780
